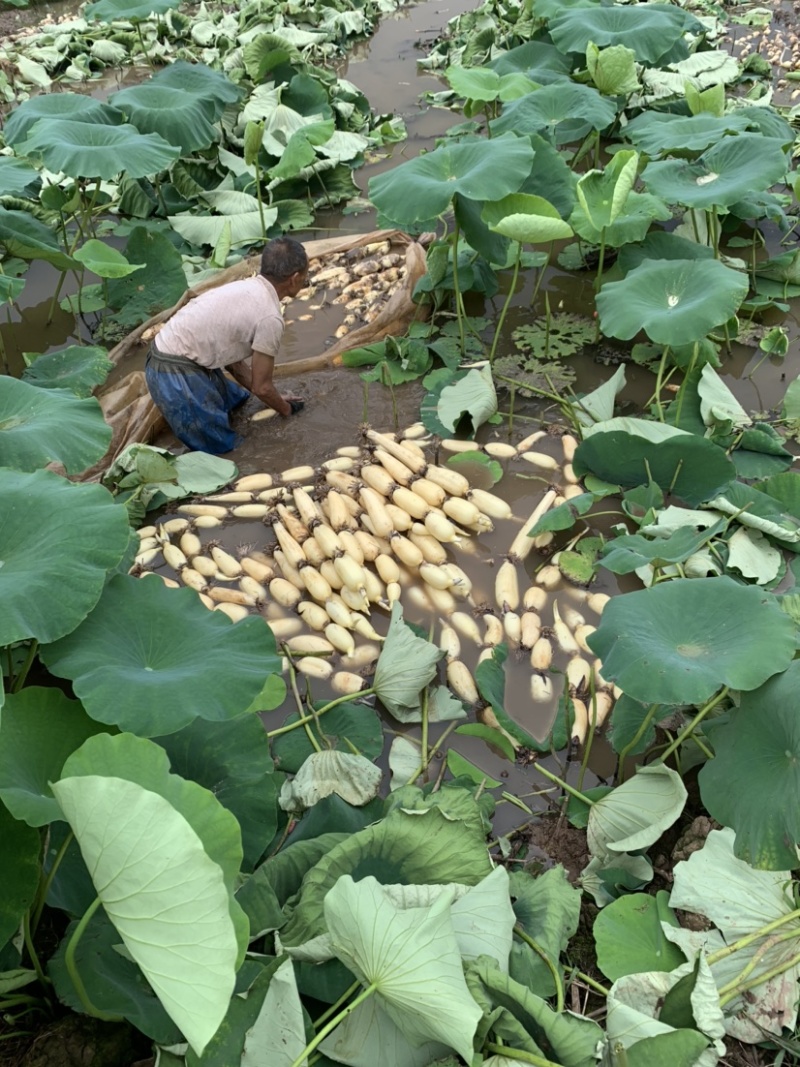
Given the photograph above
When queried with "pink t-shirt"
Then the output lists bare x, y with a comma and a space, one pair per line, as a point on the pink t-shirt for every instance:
224, 325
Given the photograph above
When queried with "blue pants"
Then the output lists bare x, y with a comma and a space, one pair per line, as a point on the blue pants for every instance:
195, 401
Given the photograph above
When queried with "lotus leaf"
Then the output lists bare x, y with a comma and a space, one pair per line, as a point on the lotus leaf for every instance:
354, 778
10, 288
151, 659
598, 406
16, 175
176, 114
54, 535
407, 663
78, 368
424, 187
277, 1037
675, 302
159, 285
662, 245
612, 69
526, 218
678, 642
538, 60
609, 877
731, 169
410, 957
245, 226
348, 727
691, 468
160, 850
633, 224
765, 511
369, 1036
55, 106
658, 133
548, 909
20, 846
761, 736
104, 261
626, 554
629, 938
635, 814
41, 728
201, 81
127, 10
651, 30
426, 847
90, 150
740, 900
563, 112
472, 394
603, 193
233, 761
26, 237
113, 981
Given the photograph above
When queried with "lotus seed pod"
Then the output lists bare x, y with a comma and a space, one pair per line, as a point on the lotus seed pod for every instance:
253, 483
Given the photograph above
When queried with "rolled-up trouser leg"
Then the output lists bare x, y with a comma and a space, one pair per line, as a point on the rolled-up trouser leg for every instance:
195, 401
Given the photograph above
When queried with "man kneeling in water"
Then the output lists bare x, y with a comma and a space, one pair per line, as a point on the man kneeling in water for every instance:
225, 327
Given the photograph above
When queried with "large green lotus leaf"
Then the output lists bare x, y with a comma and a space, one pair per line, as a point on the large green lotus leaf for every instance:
354, 778
24, 236
539, 60
245, 227
678, 642
612, 69
55, 106
657, 132
40, 729
150, 662
625, 554
474, 83
369, 1036
113, 981
177, 115
232, 759
278, 1036
344, 726
156, 881
40, 426
424, 187
633, 224
202, 82
731, 170
526, 218
548, 909
603, 193
407, 663
691, 468
649, 29
674, 301
628, 936
159, 285
427, 847
412, 958
740, 900
104, 261
54, 536
89, 150
635, 814
563, 112
20, 847
15, 176
763, 737
567, 1038
78, 368
127, 10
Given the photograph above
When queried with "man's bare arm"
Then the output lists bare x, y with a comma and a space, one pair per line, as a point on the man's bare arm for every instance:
242, 373
262, 385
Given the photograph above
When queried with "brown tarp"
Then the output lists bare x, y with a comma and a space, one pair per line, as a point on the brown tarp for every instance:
127, 406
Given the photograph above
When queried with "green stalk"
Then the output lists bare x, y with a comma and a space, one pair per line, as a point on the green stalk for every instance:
695, 722
660, 383
72, 970
756, 958
540, 275
517, 1054
506, 305
564, 785
298, 701
56, 295
335, 1007
260, 201
682, 390
334, 1022
428, 756
743, 942
424, 726
19, 681
781, 968
634, 741
137, 23
459, 305
44, 887
591, 982
557, 978
321, 711
587, 748
28, 939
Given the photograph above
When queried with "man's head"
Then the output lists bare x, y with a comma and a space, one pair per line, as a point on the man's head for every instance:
284, 263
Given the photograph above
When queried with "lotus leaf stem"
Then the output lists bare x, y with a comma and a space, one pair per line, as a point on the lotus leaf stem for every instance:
137, 23
19, 681
517, 1054
587, 748
44, 887
781, 968
506, 305
51, 312
660, 382
26, 935
540, 275
545, 956
591, 982
695, 722
320, 711
743, 942
334, 1022
335, 1007
565, 786
703, 748
424, 704
457, 290
298, 701
72, 970
757, 956
634, 741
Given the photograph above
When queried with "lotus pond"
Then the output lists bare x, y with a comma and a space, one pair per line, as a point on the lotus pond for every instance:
211, 854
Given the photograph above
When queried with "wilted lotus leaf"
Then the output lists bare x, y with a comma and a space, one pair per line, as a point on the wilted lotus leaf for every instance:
679, 642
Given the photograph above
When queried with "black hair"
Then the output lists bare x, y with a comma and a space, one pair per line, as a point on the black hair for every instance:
283, 257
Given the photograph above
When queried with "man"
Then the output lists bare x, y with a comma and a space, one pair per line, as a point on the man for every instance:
225, 327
